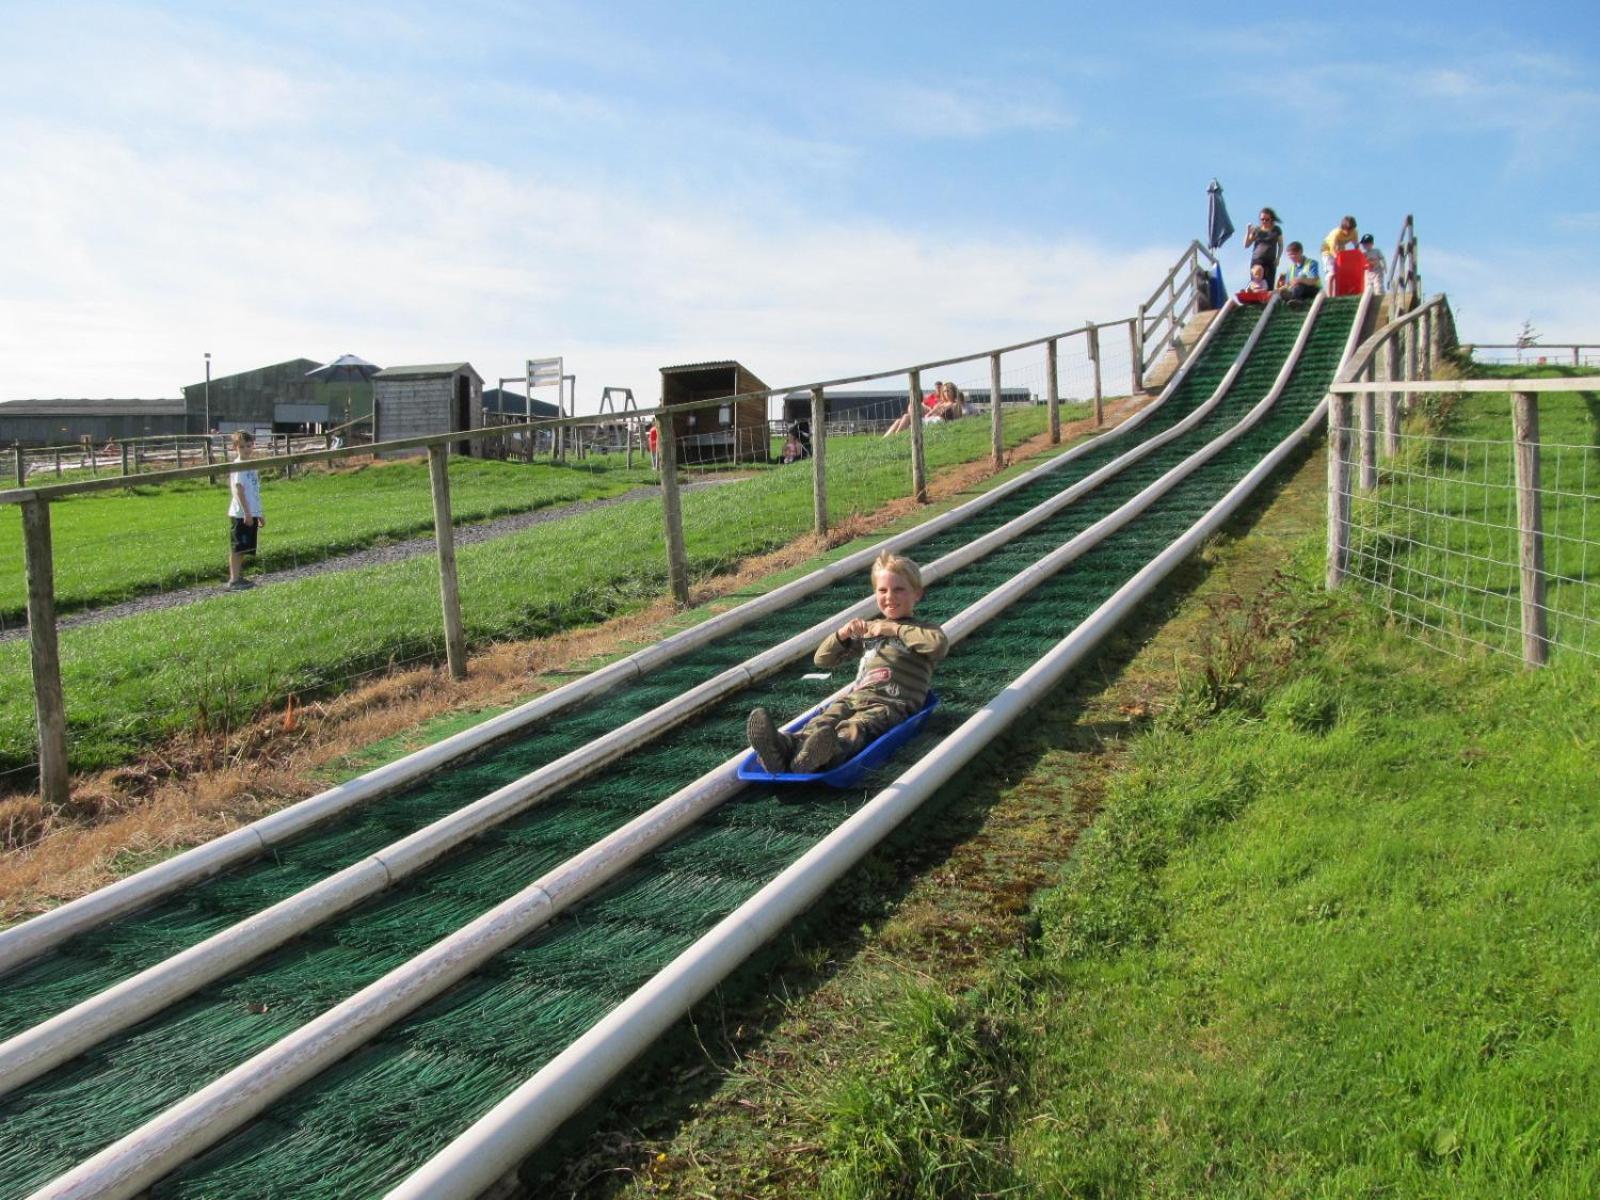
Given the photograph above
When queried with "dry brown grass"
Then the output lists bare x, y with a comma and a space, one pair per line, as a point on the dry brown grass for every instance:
198, 787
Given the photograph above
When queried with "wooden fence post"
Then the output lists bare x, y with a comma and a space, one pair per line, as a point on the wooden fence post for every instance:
22, 466
58, 464
1412, 374
1338, 489
1391, 400
1530, 529
996, 415
1094, 357
819, 463
1136, 353
919, 464
455, 640
672, 509
211, 460
49, 705
124, 449
1369, 432
1052, 394
94, 459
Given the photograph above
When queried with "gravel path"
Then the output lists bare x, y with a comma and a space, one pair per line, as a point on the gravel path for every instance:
466, 535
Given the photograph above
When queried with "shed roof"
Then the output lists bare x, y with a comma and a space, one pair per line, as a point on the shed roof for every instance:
704, 366
428, 371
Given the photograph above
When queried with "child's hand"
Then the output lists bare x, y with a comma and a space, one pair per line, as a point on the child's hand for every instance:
853, 631
883, 629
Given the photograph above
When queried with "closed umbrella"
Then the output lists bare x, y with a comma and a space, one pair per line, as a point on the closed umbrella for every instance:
1219, 229
1217, 223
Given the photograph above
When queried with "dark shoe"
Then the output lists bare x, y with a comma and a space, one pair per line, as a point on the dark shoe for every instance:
239, 585
817, 751
772, 746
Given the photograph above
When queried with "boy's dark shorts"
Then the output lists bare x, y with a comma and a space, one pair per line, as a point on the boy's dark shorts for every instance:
242, 537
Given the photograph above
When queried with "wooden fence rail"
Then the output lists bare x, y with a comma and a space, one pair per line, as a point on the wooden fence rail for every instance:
35, 500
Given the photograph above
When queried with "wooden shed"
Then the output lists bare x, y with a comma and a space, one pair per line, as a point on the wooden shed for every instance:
734, 432
427, 399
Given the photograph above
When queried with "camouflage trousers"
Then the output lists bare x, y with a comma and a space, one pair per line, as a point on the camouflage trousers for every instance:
858, 719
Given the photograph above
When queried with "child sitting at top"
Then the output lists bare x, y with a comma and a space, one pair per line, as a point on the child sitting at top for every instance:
1377, 267
1258, 279
897, 656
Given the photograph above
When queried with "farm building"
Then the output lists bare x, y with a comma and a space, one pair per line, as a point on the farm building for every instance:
734, 432
67, 422
279, 397
505, 402
427, 399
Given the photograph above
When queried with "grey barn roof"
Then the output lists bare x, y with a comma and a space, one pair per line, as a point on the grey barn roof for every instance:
93, 408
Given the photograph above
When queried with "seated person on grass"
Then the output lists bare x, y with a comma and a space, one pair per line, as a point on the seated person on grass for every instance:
897, 656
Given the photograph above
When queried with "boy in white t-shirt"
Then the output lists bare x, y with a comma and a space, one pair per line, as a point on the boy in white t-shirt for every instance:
244, 511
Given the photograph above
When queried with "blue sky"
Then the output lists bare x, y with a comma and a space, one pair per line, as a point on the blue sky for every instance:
816, 189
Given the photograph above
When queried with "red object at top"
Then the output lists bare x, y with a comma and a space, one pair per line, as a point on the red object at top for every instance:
931, 400
655, 436
1349, 272
1253, 297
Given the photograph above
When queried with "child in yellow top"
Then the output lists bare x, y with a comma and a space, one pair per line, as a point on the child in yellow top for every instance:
897, 654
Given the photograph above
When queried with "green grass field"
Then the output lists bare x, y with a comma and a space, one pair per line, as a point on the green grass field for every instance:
1331, 934
211, 664
110, 546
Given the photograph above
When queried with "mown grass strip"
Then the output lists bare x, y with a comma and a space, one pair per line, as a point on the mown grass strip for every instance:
117, 545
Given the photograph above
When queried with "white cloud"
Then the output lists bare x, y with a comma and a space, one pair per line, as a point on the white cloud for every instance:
963, 109
140, 259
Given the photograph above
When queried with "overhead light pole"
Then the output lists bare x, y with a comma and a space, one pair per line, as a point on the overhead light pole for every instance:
207, 429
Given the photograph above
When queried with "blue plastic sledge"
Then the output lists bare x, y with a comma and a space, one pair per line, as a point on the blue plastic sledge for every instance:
849, 772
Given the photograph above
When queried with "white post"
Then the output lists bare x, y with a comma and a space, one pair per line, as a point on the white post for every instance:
1530, 529
1338, 489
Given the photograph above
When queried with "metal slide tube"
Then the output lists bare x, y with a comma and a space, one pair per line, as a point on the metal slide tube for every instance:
31, 1053
494, 1144
31, 938
183, 1130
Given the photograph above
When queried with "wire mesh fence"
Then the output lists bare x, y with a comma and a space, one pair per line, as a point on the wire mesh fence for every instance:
1441, 540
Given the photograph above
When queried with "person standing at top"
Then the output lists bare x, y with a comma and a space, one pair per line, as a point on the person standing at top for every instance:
1377, 267
1342, 237
244, 511
1266, 244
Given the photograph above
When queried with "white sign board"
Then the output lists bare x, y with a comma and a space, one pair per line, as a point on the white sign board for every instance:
544, 372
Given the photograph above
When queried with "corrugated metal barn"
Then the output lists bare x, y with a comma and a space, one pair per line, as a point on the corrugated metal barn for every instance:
279, 397
66, 422
734, 432
427, 399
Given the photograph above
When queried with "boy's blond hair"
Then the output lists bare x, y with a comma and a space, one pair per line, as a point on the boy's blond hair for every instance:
897, 564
